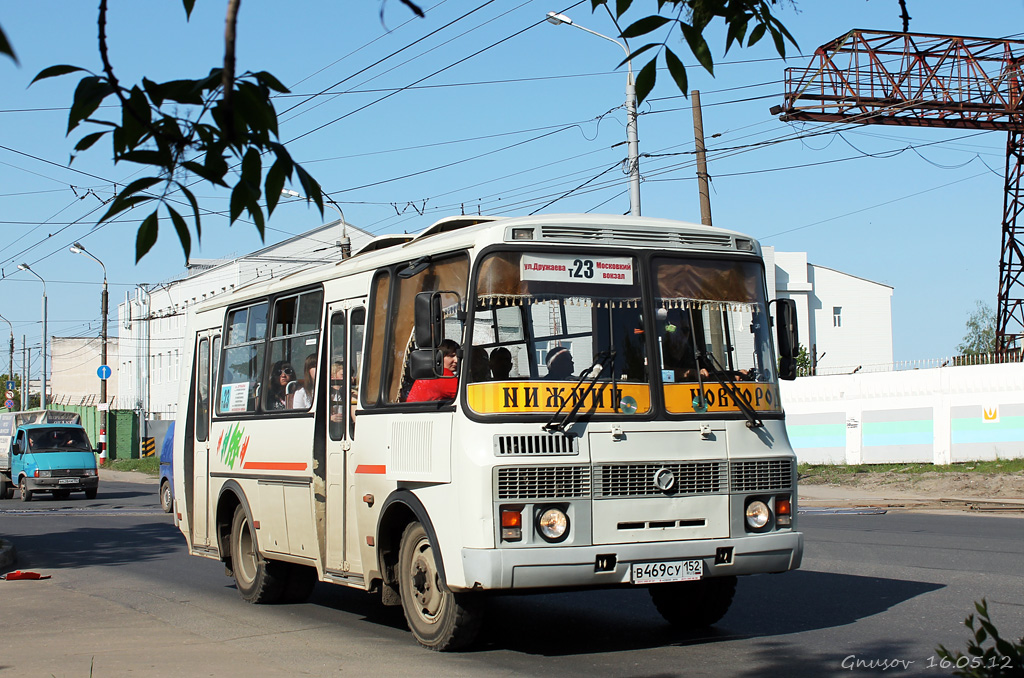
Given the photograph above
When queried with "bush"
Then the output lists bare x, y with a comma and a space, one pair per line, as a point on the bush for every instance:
1002, 659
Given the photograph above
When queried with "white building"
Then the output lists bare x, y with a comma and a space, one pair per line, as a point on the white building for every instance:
73, 370
844, 321
151, 322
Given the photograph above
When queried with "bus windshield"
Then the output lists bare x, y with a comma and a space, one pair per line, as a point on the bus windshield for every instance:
712, 327
557, 318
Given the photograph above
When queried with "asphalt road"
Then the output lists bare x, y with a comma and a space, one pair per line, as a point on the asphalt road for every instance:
126, 599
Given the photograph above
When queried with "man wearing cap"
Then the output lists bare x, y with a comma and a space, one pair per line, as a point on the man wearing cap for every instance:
559, 362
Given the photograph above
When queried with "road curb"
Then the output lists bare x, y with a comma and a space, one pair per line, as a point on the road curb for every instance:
8, 554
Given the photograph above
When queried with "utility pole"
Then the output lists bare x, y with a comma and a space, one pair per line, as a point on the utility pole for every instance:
702, 160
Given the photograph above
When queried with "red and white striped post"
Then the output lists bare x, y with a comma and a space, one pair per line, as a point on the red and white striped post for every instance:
103, 446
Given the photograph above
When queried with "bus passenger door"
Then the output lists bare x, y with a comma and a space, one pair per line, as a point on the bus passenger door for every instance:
343, 360
207, 352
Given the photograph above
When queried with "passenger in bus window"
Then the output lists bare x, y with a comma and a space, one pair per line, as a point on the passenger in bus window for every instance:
560, 364
501, 363
303, 397
479, 370
338, 394
444, 388
281, 375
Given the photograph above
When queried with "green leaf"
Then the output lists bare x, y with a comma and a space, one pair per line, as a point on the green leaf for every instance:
274, 182
54, 71
238, 199
311, 188
145, 157
195, 208
182, 91
182, 228
677, 70
780, 42
252, 109
594, 4
622, 6
146, 237
252, 171
633, 55
88, 140
268, 80
89, 94
644, 26
737, 31
119, 205
699, 47
5, 47
756, 34
188, 4
645, 80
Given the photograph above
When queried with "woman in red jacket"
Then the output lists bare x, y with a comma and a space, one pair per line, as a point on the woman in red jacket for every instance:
440, 388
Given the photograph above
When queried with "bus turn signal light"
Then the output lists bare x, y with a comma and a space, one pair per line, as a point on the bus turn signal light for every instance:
512, 524
783, 512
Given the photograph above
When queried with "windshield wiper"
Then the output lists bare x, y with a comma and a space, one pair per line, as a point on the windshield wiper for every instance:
715, 368
601, 360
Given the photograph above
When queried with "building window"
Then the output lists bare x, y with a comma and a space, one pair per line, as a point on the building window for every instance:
837, 317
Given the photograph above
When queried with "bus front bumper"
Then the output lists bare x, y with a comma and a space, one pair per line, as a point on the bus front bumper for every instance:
571, 566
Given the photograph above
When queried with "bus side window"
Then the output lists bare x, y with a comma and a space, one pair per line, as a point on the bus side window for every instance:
355, 364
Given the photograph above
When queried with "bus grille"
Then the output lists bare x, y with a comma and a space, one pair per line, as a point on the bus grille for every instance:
762, 475
544, 482
628, 236
535, 444
637, 480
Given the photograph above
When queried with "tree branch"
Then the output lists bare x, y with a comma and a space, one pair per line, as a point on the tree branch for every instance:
228, 76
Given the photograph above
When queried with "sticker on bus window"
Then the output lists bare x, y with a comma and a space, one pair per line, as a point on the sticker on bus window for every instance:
234, 397
577, 269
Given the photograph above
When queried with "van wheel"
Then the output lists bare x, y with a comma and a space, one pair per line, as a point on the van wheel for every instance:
258, 580
438, 618
26, 494
166, 499
694, 605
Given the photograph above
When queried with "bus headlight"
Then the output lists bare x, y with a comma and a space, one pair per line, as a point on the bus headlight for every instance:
553, 524
757, 514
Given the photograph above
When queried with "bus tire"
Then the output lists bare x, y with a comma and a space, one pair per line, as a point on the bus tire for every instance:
26, 494
694, 605
258, 580
166, 498
438, 618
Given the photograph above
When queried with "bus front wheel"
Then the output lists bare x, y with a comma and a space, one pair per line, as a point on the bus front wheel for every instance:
256, 578
439, 619
694, 605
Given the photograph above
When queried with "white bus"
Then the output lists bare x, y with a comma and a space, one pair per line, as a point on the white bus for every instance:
494, 405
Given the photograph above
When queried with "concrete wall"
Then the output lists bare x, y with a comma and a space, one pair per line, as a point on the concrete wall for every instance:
940, 415
73, 365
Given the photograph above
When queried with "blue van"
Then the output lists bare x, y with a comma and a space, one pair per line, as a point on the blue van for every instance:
167, 471
55, 458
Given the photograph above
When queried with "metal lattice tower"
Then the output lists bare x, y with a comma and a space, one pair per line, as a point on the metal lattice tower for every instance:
915, 79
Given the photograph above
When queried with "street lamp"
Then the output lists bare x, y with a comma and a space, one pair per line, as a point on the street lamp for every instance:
78, 248
42, 395
345, 244
631, 136
10, 368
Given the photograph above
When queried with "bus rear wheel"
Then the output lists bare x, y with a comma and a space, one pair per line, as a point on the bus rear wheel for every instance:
439, 619
694, 605
256, 578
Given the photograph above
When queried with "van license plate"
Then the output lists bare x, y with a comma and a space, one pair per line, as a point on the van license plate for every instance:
676, 570
68, 481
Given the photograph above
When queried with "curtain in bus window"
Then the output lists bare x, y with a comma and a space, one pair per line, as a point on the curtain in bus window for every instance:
379, 300
709, 281
442, 274
243, 359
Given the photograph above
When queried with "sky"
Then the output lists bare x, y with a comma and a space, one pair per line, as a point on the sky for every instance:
485, 107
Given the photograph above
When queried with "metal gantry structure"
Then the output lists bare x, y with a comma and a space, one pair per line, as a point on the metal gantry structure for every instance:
922, 80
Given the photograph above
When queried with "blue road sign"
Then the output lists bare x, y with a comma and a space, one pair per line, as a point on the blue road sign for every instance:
10, 385
8, 404
103, 372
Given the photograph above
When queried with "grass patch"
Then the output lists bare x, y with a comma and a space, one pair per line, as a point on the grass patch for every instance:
833, 472
148, 465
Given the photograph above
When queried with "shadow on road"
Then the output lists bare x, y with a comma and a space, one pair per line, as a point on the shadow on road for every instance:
87, 546
625, 619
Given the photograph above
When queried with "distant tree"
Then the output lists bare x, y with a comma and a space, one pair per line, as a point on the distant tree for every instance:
980, 331
804, 364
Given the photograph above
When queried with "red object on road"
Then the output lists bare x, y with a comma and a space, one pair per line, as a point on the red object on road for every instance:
18, 574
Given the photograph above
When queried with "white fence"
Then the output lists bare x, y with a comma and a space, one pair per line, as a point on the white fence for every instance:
938, 415
1011, 356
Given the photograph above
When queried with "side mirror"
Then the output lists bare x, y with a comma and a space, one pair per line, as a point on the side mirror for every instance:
787, 337
16, 448
425, 363
429, 329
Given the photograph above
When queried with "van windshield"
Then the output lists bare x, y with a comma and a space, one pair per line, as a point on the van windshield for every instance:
58, 440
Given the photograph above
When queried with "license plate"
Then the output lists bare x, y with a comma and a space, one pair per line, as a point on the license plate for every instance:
68, 481
675, 570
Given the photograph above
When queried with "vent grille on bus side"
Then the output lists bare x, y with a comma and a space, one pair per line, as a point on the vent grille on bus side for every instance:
635, 237
637, 480
544, 482
507, 445
761, 476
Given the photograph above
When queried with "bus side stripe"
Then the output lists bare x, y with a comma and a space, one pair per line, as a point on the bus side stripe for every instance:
275, 466
377, 469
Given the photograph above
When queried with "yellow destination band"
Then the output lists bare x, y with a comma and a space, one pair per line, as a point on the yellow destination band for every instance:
531, 396
682, 398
